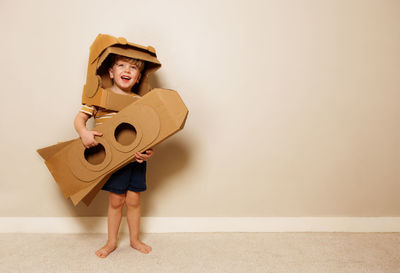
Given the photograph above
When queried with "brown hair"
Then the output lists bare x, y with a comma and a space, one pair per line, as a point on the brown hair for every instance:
138, 63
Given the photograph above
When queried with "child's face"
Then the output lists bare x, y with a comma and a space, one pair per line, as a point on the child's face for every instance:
124, 74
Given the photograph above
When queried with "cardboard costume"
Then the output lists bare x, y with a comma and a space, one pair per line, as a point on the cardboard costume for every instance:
95, 91
140, 124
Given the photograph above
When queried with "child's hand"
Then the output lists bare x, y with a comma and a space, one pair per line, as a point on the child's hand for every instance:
140, 157
87, 138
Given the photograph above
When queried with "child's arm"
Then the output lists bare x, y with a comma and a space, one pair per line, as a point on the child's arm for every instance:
86, 135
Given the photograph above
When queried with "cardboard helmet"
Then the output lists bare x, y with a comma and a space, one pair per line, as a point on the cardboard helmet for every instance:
100, 59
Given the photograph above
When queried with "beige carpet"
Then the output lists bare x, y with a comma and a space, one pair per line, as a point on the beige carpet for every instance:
205, 252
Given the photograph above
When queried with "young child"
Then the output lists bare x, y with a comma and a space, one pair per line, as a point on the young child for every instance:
126, 184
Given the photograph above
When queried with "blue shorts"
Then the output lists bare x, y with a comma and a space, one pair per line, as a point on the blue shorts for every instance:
131, 177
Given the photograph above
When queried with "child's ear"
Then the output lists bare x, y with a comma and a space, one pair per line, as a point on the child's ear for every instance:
138, 78
111, 73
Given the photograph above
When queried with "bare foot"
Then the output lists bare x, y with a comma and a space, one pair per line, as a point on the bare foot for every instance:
105, 250
142, 247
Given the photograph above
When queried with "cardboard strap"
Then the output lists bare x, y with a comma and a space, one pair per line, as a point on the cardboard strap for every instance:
107, 99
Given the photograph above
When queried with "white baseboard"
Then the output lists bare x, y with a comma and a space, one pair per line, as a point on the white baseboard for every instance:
203, 224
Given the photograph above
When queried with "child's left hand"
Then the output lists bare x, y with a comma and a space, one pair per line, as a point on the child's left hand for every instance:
140, 157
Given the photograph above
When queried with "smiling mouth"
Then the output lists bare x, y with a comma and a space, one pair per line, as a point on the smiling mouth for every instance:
126, 78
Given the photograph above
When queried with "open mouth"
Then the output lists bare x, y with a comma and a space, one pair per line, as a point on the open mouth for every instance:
126, 78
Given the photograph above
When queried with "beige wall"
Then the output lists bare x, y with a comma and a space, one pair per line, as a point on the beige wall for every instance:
293, 104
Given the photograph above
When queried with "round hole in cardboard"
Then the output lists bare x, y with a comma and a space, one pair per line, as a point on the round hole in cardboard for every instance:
95, 155
125, 133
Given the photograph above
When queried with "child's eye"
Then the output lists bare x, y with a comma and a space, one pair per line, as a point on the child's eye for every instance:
133, 67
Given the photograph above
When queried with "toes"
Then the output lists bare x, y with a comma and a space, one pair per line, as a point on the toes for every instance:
146, 249
104, 252
142, 248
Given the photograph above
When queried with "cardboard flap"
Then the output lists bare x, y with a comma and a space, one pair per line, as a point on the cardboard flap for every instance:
77, 197
92, 194
48, 152
102, 42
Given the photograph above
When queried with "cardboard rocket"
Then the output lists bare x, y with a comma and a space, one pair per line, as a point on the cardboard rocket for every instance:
140, 124
81, 172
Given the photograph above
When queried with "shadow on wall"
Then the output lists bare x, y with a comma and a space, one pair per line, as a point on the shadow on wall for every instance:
170, 158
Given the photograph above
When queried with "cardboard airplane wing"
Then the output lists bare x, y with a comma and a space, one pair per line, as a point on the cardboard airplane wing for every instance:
81, 172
